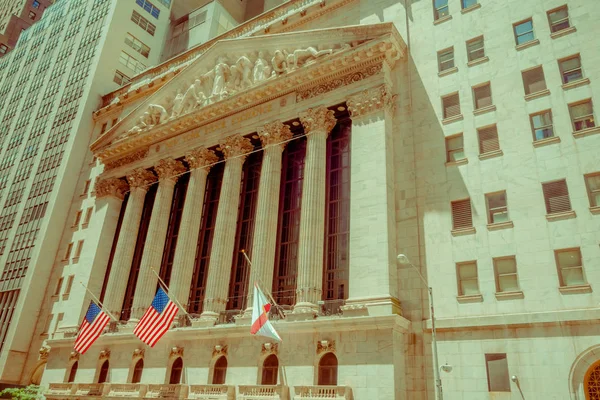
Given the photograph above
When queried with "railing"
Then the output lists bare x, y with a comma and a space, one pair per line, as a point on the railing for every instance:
323, 392
211, 392
60, 389
263, 392
127, 390
166, 391
91, 389
331, 307
228, 317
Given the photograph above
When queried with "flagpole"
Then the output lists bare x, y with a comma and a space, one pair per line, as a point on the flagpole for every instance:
168, 294
277, 306
99, 303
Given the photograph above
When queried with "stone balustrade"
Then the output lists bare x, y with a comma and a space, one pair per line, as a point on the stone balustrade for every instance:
84, 390
166, 392
60, 390
262, 392
127, 390
323, 392
211, 392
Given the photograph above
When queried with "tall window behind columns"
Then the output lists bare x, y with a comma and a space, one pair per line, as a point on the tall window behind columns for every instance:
240, 270
286, 258
207, 228
173, 230
114, 246
337, 213
137, 255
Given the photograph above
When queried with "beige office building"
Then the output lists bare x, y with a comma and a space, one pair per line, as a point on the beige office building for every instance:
324, 138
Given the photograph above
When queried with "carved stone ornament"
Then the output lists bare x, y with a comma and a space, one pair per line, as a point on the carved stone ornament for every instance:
270, 348
235, 146
176, 352
201, 157
324, 346
141, 178
370, 101
138, 353
104, 355
337, 83
274, 133
169, 169
220, 350
74, 356
318, 119
44, 352
111, 187
128, 159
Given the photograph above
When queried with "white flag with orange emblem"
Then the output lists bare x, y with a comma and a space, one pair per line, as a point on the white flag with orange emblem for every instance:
260, 316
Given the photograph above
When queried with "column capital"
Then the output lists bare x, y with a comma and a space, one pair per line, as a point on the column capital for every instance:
370, 101
170, 169
235, 146
274, 133
113, 187
318, 118
141, 178
201, 158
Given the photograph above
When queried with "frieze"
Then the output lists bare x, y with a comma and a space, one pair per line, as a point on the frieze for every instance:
128, 159
337, 83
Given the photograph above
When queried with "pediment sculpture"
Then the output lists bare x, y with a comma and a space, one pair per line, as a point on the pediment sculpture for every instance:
228, 78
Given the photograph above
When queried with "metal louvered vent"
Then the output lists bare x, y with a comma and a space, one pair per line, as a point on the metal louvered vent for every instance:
556, 197
461, 214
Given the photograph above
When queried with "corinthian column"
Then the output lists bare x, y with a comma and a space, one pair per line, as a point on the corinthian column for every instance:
199, 161
318, 123
139, 180
145, 288
265, 231
235, 149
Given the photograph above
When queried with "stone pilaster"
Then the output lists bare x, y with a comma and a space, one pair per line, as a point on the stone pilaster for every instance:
168, 171
139, 180
372, 275
235, 149
199, 161
318, 123
272, 136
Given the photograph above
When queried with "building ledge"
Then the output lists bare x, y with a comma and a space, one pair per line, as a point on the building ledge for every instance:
509, 295
561, 215
462, 161
463, 231
546, 141
531, 43
442, 20
470, 8
475, 298
484, 110
491, 154
448, 71
450, 120
537, 95
563, 32
500, 225
595, 210
585, 132
578, 289
478, 61
577, 83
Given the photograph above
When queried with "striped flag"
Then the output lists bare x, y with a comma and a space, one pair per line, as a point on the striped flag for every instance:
157, 319
94, 322
260, 316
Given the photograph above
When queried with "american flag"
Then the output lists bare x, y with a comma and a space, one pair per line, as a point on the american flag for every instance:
94, 322
157, 319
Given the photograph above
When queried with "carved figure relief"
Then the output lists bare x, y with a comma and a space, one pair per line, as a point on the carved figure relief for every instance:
221, 72
262, 70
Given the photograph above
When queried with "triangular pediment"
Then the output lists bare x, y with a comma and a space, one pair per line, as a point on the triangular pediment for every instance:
236, 74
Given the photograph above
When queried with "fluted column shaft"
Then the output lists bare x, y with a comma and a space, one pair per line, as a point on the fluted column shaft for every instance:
121, 266
219, 267
317, 123
265, 232
147, 281
189, 230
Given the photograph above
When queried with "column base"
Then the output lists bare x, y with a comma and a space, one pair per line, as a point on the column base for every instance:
372, 306
303, 311
207, 319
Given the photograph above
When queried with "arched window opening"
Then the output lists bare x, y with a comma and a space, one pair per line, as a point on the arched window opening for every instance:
220, 371
592, 383
176, 370
269, 370
137, 371
103, 376
73, 372
328, 366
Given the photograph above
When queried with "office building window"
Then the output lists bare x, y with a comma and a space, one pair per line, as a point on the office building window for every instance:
131, 63
68, 251
88, 215
137, 45
58, 286
69, 285
149, 7
541, 125
454, 148
467, 3
505, 271
570, 68
482, 95
496, 207
570, 267
556, 196
120, 79
451, 105
462, 218
524, 32
86, 187
559, 19
77, 218
475, 49
3, 48
534, 80
446, 59
440, 9
488, 139
592, 182
143, 23
32, 15
468, 284
497, 373
78, 249
35, 4
582, 115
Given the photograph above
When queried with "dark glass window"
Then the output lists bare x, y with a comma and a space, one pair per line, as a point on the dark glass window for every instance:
137, 371
73, 372
328, 366
103, 376
269, 370
176, 370
114, 247
220, 371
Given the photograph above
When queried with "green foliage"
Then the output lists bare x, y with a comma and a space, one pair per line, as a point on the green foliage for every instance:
31, 392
